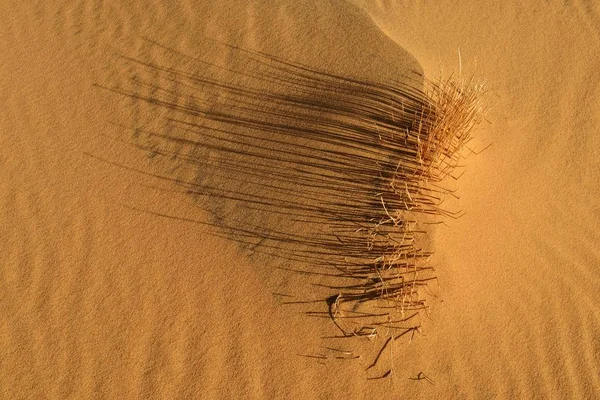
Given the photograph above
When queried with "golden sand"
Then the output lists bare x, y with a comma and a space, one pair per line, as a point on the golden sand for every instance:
115, 285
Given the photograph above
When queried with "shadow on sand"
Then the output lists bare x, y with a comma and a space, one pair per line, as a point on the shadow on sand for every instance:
309, 171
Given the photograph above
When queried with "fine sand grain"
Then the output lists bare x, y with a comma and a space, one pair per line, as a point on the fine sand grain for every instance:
118, 281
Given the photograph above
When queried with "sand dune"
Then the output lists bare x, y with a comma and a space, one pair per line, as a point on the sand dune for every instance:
115, 285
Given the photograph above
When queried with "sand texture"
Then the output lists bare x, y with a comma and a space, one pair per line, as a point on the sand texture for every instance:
136, 263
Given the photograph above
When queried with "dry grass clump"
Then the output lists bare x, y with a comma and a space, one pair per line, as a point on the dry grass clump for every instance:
338, 177
390, 298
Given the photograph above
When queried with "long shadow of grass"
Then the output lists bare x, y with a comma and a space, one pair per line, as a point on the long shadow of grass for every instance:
326, 172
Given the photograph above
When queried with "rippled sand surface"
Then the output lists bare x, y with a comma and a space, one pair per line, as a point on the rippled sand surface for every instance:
114, 285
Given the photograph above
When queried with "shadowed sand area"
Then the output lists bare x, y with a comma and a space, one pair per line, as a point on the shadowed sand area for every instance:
121, 279
336, 178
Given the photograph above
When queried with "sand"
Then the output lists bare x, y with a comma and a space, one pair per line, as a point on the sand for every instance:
114, 284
